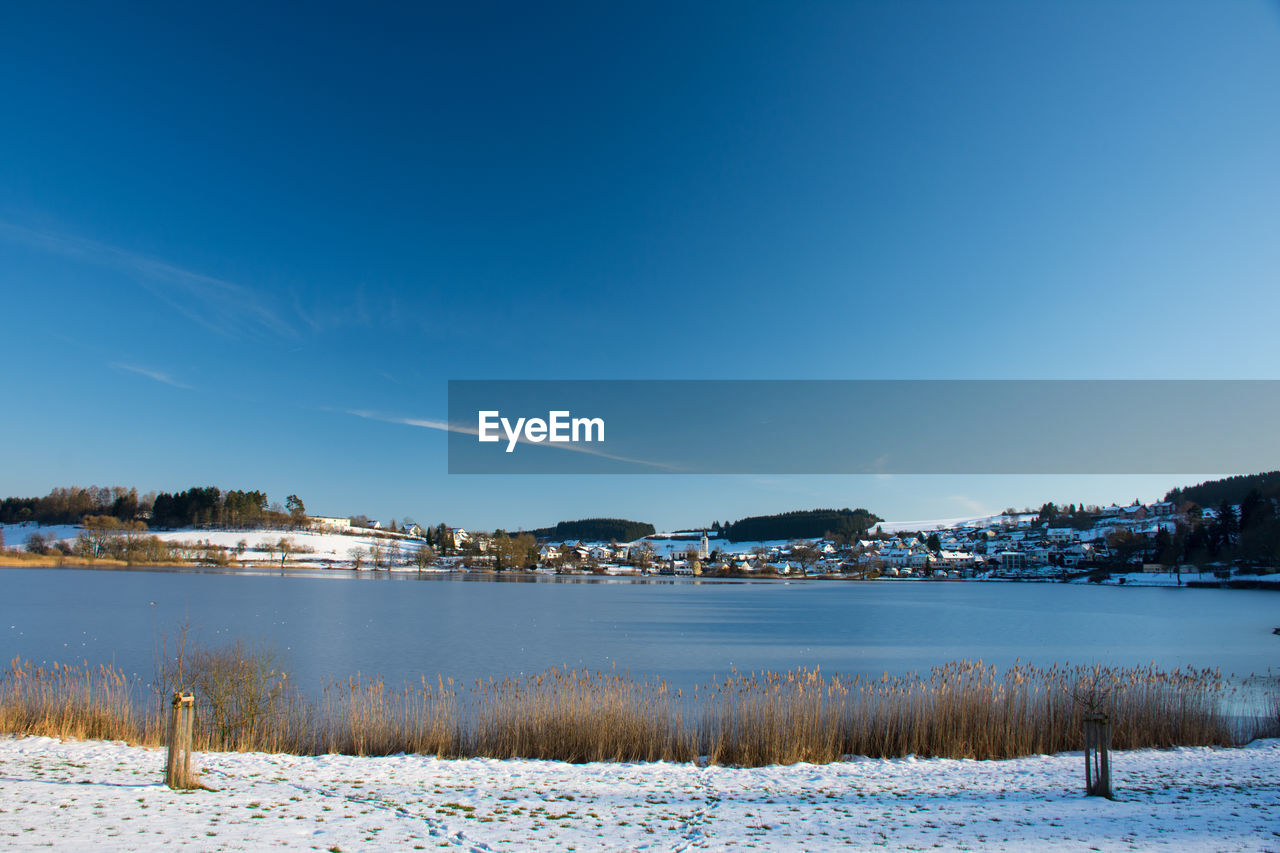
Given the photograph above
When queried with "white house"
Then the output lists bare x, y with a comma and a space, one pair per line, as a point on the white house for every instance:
962, 561
899, 558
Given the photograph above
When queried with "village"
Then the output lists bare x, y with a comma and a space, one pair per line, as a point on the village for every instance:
1024, 545
1161, 541
1010, 546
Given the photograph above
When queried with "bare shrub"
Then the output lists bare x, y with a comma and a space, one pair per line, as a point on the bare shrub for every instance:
37, 543
244, 701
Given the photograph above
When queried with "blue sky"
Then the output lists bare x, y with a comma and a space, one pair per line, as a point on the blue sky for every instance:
222, 231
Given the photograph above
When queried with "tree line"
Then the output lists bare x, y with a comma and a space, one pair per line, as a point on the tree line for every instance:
803, 524
68, 505
1245, 533
212, 507
1232, 490
200, 506
597, 530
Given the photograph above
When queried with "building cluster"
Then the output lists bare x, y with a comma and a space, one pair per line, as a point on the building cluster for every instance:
1013, 545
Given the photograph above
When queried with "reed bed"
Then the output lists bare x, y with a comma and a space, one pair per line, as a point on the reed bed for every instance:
577, 716
362, 716
961, 710
72, 702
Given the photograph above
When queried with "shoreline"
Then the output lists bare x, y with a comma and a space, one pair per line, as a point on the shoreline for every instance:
318, 569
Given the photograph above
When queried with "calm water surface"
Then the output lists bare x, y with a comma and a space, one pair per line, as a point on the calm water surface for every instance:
332, 625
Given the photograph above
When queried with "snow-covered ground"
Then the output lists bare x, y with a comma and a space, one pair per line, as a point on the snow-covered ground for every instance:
16, 535
108, 796
325, 549
1149, 578
935, 523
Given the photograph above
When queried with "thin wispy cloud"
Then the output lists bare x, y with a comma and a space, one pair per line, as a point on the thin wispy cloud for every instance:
157, 375
968, 503
366, 308
221, 306
444, 426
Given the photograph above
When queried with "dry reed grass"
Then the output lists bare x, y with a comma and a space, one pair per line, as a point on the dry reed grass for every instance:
961, 710
574, 715
72, 702
362, 716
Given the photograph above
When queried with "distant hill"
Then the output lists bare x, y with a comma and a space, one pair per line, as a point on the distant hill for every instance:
802, 524
1232, 489
597, 530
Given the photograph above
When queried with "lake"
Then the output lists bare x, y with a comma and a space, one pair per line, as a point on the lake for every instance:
332, 624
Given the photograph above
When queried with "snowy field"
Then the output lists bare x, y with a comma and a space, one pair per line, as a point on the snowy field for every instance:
325, 549
108, 796
936, 523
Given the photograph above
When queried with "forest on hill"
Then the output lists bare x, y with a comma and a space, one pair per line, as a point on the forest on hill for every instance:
199, 506
597, 530
802, 524
1232, 490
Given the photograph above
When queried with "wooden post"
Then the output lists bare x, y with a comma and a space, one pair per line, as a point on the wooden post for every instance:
177, 773
1097, 756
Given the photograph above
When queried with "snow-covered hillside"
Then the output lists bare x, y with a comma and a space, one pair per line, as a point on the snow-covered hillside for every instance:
310, 548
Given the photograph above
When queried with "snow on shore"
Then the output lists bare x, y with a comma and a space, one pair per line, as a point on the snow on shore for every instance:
322, 549
108, 796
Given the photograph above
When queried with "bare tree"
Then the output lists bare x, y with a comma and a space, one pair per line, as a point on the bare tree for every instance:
424, 556
285, 547
97, 533
806, 555
642, 557
132, 531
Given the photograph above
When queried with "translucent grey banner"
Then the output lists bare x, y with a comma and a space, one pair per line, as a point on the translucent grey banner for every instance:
863, 426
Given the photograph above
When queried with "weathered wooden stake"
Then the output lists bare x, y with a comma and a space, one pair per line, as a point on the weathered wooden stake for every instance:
178, 774
1097, 756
